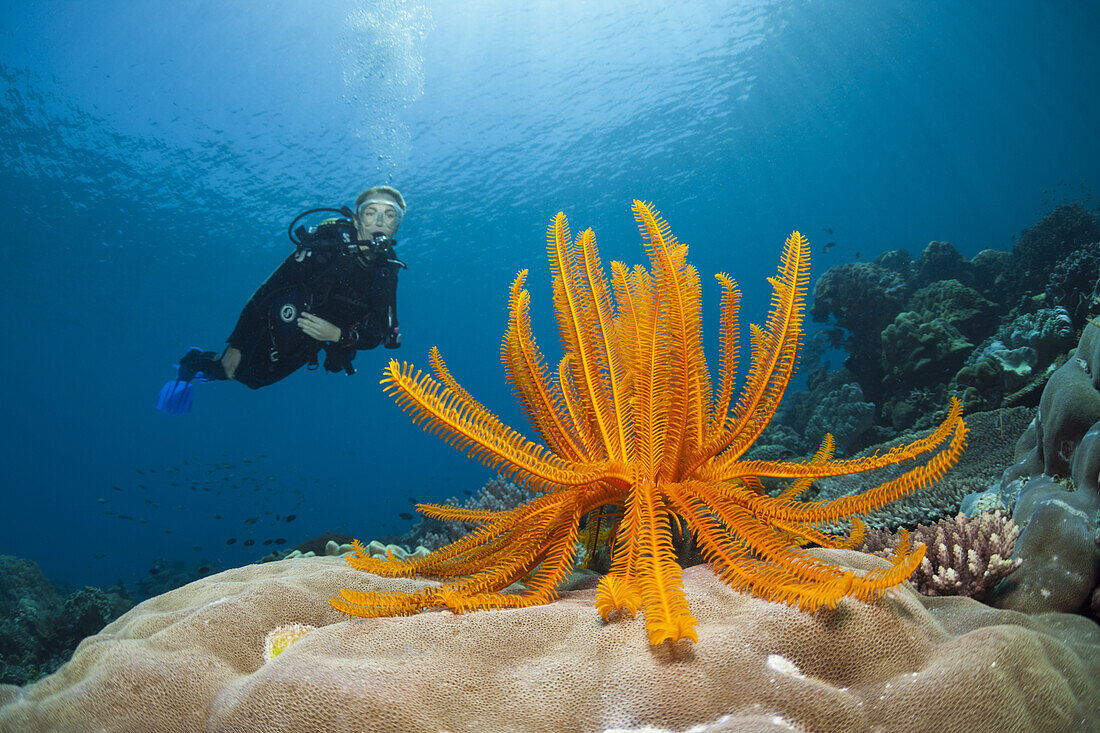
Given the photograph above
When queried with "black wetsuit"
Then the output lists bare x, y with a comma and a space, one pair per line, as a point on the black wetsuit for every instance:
355, 292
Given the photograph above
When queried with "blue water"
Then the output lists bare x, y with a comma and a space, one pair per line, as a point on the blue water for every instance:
153, 153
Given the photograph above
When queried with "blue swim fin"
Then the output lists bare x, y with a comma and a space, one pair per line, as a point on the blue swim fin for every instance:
176, 397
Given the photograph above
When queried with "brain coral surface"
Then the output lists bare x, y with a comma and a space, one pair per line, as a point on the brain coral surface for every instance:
193, 660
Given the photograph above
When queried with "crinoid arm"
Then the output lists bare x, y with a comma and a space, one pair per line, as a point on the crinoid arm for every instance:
616, 597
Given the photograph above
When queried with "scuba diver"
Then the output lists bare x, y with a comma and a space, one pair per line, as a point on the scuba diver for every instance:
337, 291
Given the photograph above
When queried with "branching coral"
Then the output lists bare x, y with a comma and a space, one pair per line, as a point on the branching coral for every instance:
967, 556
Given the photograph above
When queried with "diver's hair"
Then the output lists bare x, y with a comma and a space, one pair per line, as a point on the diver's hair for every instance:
388, 190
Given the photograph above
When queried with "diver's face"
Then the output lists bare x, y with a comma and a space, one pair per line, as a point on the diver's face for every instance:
377, 215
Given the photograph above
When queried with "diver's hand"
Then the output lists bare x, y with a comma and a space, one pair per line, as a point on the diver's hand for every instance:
318, 328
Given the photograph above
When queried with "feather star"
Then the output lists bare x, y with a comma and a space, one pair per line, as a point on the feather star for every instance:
632, 425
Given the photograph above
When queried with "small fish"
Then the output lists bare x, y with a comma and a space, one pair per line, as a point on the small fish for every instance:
413, 500
100, 501
405, 515
278, 518
280, 541
467, 492
827, 247
290, 517
204, 570
253, 520
829, 230
142, 486
98, 556
267, 542
196, 548
217, 516
117, 488
857, 255
249, 543
231, 541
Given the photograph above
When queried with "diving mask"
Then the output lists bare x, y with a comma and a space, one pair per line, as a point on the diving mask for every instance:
380, 212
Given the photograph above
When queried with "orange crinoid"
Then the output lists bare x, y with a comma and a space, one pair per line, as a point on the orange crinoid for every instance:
631, 424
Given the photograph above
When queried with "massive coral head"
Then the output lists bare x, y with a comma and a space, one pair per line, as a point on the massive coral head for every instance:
631, 426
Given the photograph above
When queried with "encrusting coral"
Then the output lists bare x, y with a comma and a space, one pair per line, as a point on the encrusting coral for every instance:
635, 434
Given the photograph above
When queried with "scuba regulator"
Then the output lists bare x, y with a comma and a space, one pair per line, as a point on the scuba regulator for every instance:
339, 235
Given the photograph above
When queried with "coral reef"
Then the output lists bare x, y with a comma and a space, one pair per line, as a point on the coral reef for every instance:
193, 660
992, 329
997, 276
922, 350
967, 556
833, 403
941, 261
39, 629
862, 298
1061, 232
1013, 364
962, 307
1074, 282
841, 412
